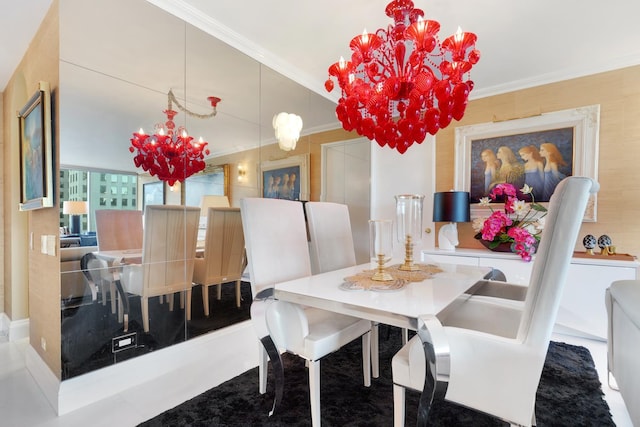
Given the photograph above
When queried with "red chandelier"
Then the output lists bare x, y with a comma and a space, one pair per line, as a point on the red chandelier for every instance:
402, 82
171, 154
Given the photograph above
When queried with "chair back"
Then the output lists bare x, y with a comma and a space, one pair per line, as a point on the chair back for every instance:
276, 241
210, 201
548, 276
331, 246
224, 247
169, 248
118, 229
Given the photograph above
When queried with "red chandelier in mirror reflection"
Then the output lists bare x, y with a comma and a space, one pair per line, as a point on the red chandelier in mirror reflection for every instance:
402, 82
171, 154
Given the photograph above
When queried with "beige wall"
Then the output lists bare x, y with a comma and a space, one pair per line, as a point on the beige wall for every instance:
251, 159
31, 279
618, 93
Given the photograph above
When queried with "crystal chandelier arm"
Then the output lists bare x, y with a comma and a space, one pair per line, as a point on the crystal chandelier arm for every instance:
214, 102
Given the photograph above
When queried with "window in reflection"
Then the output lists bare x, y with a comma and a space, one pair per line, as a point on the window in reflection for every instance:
101, 189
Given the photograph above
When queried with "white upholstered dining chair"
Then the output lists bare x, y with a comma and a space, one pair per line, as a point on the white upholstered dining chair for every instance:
331, 248
277, 251
224, 257
497, 346
168, 256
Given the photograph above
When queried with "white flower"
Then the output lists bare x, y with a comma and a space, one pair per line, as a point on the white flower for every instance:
526, 189
478, 224
539, 224
520, 207
485, 201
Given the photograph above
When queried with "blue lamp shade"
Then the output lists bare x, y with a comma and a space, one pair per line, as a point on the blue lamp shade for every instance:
451, 206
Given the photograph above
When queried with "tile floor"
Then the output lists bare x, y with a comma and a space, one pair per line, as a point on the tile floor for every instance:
22, 404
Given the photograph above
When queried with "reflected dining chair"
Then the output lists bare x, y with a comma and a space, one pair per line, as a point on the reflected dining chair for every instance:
278, 251
224, 257
490, 348
209, 201
116, 229
331, 248
168, 256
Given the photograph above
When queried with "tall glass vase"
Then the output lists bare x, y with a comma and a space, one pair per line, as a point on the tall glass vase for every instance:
409, 223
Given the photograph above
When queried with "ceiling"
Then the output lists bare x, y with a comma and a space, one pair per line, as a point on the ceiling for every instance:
523, 44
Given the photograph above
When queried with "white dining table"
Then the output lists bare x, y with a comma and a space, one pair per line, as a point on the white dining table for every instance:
413, 307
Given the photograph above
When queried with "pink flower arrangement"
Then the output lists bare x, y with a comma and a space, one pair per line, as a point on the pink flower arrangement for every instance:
520, 223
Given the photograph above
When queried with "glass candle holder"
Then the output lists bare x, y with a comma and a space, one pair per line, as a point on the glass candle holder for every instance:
381, 246
409, 223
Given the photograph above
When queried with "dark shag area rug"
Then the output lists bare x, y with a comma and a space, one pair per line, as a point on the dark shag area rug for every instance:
569, 395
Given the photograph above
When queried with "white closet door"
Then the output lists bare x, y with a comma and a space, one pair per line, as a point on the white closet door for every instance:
346, 169
410, 173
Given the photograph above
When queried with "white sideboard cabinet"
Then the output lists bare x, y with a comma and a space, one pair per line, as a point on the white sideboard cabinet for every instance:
582, 311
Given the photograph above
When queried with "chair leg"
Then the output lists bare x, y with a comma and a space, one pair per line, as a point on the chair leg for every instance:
145, 313
405, 336
366, 359
262, 369
375, 351
188, 298
398, 406
314, 391
170, 297
219, 291
114, 294
103, 290
182, 300
205, 299
238, 294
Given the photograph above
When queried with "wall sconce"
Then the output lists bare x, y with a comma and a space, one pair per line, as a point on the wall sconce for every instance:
287, 127
242, 172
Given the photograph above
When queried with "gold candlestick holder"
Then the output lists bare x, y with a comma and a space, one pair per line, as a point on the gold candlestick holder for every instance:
408, 256
381, 275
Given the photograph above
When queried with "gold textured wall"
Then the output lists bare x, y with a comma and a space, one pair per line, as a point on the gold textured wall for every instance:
32, 279
618, 93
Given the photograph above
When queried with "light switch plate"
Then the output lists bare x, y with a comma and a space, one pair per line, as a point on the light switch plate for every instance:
51, 245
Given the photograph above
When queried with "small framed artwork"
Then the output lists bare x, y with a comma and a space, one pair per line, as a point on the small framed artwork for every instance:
538, 151
36, 162
152, 194
286, 178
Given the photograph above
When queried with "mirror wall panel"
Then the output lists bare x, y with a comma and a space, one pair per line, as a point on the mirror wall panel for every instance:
118, 61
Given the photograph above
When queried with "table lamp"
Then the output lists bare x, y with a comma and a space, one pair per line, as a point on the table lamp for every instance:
74, 208
451, 207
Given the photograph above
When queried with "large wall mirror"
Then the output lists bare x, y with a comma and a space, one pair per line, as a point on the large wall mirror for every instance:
118, 61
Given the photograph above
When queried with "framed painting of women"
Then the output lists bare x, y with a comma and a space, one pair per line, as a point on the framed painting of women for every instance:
538, 151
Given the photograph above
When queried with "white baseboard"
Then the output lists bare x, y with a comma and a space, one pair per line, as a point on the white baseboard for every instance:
222, 355
13, 330
4, 325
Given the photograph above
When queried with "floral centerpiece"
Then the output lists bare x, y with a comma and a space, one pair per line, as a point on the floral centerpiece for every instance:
518, 224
